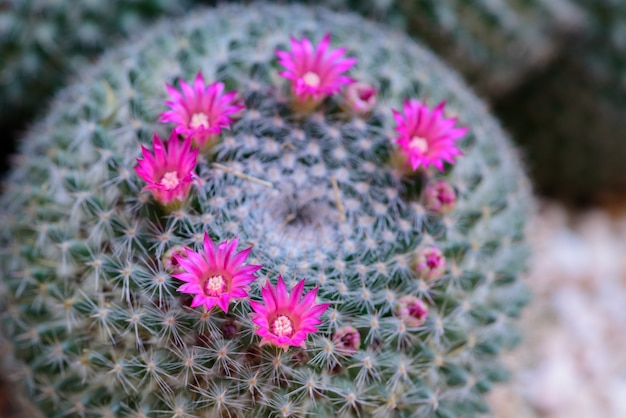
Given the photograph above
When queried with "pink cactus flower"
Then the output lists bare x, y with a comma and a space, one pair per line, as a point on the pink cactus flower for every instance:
347, 339
285, 319
201, 111
427, 137
168, 171
360, 98
430, 263
216, 275
412, 311
439, 197
315, 72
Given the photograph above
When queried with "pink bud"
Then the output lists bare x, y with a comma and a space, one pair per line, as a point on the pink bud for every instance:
430, 263
439, 197
347, 339
411, 310
360, 98
230, 328
170, 261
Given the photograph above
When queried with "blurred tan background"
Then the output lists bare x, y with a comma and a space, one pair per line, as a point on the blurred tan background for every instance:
572, 363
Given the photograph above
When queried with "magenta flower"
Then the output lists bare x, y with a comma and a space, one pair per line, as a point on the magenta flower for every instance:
168, 171
411, 310
200, 111
315, 72
430, 263
360, 98
426, 136
216, 275
283, 319
439, 197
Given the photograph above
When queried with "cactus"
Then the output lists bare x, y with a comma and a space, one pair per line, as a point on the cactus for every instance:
571, 118
92, 266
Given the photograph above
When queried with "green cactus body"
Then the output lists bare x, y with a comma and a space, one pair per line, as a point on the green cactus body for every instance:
571, 118
97, 324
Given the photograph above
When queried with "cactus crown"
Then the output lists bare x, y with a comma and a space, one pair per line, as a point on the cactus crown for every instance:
90, 300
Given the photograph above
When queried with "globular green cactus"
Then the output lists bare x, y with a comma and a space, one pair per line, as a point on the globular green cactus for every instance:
87, 293
571, 118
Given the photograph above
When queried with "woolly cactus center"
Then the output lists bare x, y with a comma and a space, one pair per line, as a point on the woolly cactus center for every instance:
198, 120
215, 286
298, 216
419, 143
311, 79
282, 326
170, 180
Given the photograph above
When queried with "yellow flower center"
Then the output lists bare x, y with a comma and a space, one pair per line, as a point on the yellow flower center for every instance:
419, 143
311, 79
215, 286
199, 119
283, 326
170, 180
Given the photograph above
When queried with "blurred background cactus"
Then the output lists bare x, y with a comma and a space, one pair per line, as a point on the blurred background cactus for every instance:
98, 326
42, 42
494, 44
571, 117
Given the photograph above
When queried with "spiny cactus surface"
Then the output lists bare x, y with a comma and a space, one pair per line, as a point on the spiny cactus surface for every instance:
571, 118
420, 278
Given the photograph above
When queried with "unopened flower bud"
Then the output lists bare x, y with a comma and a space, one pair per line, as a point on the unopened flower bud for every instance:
439, 197
360, 98
230, 328
347, 339
170, 263
430, 263
411, 310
